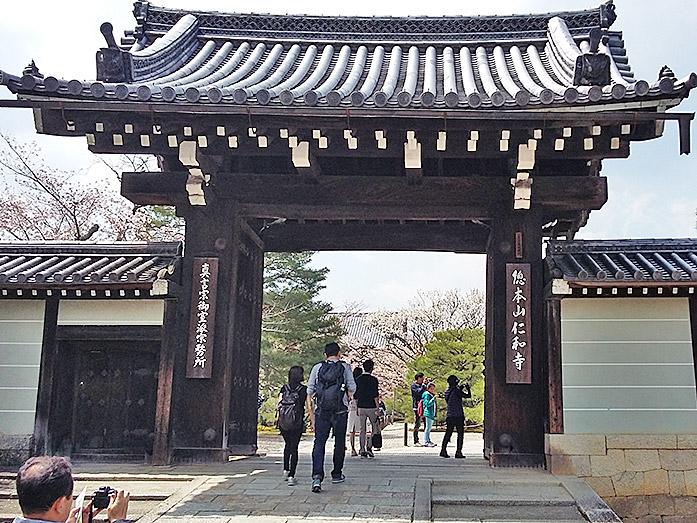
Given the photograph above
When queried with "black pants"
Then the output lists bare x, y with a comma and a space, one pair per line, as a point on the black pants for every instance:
457, 424
417, 425
290, 451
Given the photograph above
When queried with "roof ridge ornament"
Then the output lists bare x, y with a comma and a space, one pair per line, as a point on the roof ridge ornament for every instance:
32, 70
113, 64
607, 14
593, 68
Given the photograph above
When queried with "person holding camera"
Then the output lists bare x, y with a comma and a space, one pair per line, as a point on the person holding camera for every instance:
455, 416
45, 492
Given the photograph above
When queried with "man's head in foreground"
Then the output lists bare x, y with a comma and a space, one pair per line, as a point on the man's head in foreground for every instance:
45, 488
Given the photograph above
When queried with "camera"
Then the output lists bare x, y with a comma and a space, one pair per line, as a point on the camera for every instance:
100, 498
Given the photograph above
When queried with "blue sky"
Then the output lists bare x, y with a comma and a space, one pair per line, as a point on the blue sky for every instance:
653, 193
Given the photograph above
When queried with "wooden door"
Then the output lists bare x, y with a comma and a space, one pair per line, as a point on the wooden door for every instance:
115, 397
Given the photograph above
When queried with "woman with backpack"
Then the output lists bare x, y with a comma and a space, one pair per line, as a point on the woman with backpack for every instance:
428, 402
291, 420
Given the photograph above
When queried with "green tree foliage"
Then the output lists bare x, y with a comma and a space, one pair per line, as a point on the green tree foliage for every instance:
295, 323
459, 352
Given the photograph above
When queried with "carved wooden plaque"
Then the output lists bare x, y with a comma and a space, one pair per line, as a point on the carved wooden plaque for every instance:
518, 345
202, 324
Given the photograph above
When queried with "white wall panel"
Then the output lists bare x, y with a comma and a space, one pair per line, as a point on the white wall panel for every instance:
110, 312
21, 333
627, 366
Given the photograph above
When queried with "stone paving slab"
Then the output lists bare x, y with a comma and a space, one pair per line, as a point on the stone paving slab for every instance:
252, 490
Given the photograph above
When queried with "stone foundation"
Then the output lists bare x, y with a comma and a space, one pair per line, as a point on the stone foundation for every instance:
645, 478
14, 450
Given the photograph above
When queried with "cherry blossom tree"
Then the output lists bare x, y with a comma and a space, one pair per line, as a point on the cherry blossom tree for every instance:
407, 331
43, 203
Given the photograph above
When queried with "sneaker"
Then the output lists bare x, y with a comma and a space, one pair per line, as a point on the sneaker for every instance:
369, 453
460, 455
429, 444
286, 473
317, 485
444, 454
417, 444
340, 479
354, 453
292, 481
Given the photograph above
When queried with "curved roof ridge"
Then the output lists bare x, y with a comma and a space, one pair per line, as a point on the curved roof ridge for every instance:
154, 20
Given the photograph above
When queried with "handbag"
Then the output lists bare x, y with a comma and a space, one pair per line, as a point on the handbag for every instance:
377, 441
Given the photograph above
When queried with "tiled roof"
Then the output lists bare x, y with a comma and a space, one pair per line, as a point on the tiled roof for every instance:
359, 330
35, 265
447, 62
623, 262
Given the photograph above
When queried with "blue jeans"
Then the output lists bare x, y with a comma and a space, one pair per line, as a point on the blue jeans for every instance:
427, 432
324, 422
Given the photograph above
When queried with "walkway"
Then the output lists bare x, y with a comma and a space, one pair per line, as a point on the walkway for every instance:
400, 484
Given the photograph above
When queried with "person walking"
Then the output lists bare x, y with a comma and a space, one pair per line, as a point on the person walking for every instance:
455, 416
368, 398
293, 399
429, 408
332, 385
353, 424
417, 391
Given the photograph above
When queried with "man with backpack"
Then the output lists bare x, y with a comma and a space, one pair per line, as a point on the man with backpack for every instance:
332, 385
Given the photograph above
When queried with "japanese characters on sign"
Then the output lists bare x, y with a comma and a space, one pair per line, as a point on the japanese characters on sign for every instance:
518, 345
201, 326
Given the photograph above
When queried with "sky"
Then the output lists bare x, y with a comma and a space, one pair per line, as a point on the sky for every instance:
652, 194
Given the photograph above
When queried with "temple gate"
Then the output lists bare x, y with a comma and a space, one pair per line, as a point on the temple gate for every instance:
285, 133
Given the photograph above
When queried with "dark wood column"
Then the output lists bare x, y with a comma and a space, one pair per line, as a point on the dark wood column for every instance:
554, 383
514, 412
47, 372
171, 345
201, 405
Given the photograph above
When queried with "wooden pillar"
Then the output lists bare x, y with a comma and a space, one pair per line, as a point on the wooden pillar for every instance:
201, 404
515, 405
170, 346
555, 397
47, 372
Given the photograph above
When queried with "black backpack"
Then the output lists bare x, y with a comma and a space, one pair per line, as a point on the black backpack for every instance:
290, 412
330, 387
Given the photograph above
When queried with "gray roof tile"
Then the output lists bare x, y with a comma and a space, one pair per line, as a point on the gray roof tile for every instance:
446, 62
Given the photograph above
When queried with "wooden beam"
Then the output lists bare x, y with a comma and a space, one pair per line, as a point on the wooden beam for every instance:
371, 197
423, 236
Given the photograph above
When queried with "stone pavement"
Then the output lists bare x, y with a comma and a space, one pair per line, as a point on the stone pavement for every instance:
400, 484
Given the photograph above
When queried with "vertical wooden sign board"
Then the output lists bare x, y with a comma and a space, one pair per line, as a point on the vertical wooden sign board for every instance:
199, 362
518, 346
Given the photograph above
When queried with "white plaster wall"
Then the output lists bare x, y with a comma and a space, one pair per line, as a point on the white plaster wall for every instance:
21, 333
627, 366
110, 312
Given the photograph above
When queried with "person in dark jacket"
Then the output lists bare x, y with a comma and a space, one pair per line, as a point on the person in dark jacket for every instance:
417, 390
455, 416
367, 397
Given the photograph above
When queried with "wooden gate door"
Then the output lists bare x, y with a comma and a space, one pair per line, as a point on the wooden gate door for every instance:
115, 396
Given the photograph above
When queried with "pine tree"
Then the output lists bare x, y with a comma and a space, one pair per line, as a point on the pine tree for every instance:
459, 352
295, 323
